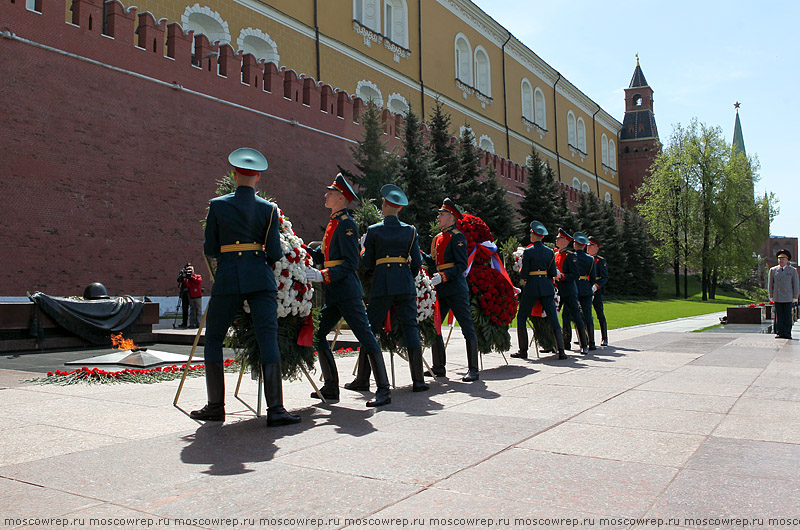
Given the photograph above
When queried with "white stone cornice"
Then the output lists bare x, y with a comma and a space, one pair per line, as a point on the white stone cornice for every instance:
477, 20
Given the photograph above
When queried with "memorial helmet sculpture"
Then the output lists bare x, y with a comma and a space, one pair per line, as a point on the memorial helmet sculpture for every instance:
95, 291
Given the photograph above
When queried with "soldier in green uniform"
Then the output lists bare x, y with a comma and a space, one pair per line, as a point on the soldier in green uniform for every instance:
243, 233
339, 255
391, 253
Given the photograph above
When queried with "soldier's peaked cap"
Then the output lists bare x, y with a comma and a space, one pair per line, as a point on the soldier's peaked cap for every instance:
538, 228
564, 234
580, 238
593, 241
784, 252
393, 195
248, 161
341, 185
449, 206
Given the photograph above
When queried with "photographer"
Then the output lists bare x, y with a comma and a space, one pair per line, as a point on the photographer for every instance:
193, 284
183, 275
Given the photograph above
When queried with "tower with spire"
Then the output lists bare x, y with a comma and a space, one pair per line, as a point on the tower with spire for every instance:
638, 139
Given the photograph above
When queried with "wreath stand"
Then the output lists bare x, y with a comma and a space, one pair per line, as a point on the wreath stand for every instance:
241, 370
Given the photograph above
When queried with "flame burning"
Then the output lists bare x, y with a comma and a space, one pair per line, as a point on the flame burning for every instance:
120, 343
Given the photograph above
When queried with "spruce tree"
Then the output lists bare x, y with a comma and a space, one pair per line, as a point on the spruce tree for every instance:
375, 165
467, 187
566, 218
444, 150
493, 207
589, 214
541, 201
417, 178
609, 235
639, 272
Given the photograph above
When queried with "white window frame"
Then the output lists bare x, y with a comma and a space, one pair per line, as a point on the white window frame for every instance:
576, 183
585, 188
539, 108
526, 90
609, 198
399, 32
462, 59
222, 35
365, 84
581, 133
394, 101
612, 155
486, 143
480, 59
571, 130
253, 33
360, 8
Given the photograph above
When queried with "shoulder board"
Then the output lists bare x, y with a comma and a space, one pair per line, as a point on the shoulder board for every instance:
455, 230
600, 257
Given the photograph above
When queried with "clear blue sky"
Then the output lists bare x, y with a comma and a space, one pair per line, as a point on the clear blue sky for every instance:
699, 58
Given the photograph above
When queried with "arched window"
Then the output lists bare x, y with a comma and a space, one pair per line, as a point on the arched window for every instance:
258, 43
585, 188
463, 52
637, 100
527, 101
203, 20
612, 155
398, 104
608, 198
576, 183
483, 71
540, 109
572, 135
368, 91
581, 135
604, 149
395, 21
486, 144
368, 14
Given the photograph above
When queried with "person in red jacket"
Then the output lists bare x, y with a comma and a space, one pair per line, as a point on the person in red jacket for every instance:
194, 284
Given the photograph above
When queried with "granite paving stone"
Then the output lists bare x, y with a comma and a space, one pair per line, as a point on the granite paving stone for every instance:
652, 418
704, 380
748, 458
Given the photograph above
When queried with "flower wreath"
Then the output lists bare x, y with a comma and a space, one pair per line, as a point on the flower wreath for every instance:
492, 295
391, 336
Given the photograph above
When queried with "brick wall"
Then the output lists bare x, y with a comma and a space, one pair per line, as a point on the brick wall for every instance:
110, 150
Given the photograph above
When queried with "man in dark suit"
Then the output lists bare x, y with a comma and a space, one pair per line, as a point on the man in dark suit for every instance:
567, 263
536, 277
783, 289
449, 257
391, 253
339, 255
586, 279
243, 233
599, 287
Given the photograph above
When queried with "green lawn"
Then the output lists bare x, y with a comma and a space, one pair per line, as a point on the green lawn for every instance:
624, 313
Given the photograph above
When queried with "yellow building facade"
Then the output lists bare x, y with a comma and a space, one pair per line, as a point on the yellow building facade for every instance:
403, 54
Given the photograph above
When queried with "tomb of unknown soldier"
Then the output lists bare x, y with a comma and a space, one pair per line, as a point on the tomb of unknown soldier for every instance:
285, 379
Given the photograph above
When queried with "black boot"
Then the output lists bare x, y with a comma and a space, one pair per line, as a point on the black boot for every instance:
330, 390
361, 382
273, 393
439, 357
472, 362
383, 396
521, 354
415, 363
215, 388
583, 339
604, 334
560, 346
566, 332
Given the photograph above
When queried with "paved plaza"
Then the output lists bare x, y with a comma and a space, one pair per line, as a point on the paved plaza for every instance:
665, 427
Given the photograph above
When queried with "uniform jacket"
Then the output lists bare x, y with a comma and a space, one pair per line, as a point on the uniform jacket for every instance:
538, 257
339, 255
567, 263
585, 270
242, 217
392, 239
449, 257
783, 284
601, 268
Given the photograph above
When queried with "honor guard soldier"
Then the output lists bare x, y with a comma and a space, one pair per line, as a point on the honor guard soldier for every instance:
536, 276
243, 233
567, 263
783, 292
599, 287
339, 255
585, 284
391, 253
449, 257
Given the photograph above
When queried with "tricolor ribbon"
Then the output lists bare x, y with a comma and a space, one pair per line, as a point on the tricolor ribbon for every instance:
488, 250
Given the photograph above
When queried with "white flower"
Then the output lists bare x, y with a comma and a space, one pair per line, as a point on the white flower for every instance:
518, 258
426, 296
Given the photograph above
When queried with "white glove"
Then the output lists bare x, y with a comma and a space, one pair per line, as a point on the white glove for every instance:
363, 238
313, 275
436, 279
594, 288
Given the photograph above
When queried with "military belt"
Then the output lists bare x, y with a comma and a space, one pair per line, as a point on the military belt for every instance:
537, 273
390, 260
445, 266
333, 263
240, 247
583, 277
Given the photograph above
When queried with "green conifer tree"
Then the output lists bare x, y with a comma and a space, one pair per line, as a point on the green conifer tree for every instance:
542, 198
375, 165
418, 179
444, 150
467, 187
